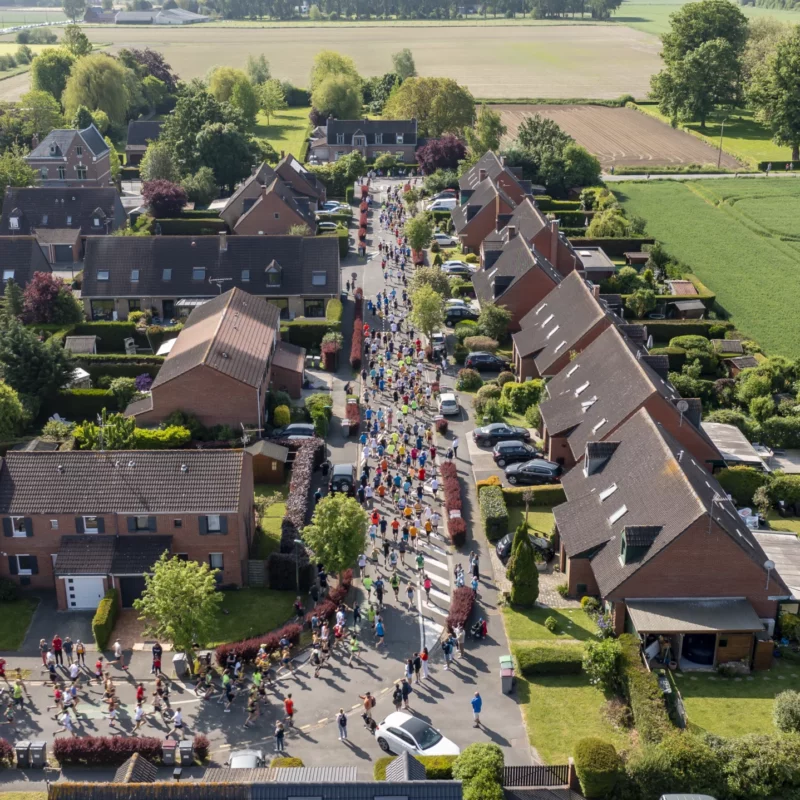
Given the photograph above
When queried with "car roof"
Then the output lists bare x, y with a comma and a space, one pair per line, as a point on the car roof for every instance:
481, 353
343, 469
415, 726
297, 426
447, 396
513, 443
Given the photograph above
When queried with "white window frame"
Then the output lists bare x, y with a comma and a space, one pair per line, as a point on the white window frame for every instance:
79, 150
69, 220
399, 138
96, 222
91, 529
103, 274
316, 275
16, 533
146, 519
13, 223
218, 521
245, 276
134, 276
378, 138
166, 274
53, 524
339, 138
44, 219
62, 173
221, 559
21, 571
8, 275
82, 173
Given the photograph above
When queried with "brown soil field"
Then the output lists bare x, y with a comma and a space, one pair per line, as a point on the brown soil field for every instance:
620, 136
602, 61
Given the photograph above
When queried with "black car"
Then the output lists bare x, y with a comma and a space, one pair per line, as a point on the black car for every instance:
534, 473
500, 432
542, 545
481, 361
456, 314
512, 452
297, 430
343, 479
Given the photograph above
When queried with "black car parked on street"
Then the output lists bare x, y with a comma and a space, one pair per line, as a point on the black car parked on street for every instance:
512, 452
481, 361
500, 432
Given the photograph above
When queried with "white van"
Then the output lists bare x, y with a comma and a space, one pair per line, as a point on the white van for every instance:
443, 204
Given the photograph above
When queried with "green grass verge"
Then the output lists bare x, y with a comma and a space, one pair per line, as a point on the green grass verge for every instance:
269, 539
736, 706
250, 613
286, 131
14, 621
540, 518
527, 624
741, 239
779, 523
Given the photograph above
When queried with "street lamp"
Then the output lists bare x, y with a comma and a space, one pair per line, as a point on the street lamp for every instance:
721, 134
297, 543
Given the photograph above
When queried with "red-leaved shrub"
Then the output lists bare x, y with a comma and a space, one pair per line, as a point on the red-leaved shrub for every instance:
441, 426
457, 529
329, 350
201, 746
450, 486
6, 753
460, 607
357, 345
247, 649
102, 751
353, 414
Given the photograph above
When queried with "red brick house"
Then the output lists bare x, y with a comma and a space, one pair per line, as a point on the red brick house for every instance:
72, 158
83, 522
370, 137
273, 210
507, 179
606, 385
220, 366
566, 322
476, 218
649, 531
520, 279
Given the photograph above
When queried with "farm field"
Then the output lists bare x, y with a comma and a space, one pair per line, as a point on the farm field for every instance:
29, 16
620, 136
741, 239
602, 61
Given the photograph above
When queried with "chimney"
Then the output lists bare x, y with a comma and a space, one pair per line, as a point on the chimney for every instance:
596, 455
512, 231
658, 363
34, 141
481, 175
553, 258
223, 242
596, 291
502, 160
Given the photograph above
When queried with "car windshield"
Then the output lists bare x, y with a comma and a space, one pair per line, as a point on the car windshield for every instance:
343, 471
425, 736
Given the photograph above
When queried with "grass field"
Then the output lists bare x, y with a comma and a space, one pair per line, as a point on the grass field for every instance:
527, 624
270, 540
15, 619
251, 612
286, 131
741, 239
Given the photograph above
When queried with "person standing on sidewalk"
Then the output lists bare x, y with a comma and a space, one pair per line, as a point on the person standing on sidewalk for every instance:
424, 658
80, 653
67, 646
477, 704
417, 663
341, 721
57, 648
456, 443
460, 636
280, 734
447, 649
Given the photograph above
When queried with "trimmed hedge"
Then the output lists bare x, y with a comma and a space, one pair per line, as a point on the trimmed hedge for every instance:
111, 335
662, 330
77, 405
437, 768
613, 248
542, 495
118, 358
334, 310
493, 512
129, 174
104, 618
357, 344
463, 599
451, 487
102, 751
307, 333
598, 767
742, 482
192, 227
777, 166
548, 658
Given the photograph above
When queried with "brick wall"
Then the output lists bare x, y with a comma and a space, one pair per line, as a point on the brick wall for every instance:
262, 219
579, 571
526, 294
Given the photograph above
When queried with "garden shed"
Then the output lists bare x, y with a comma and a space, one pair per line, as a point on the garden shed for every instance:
269, 461
84, 345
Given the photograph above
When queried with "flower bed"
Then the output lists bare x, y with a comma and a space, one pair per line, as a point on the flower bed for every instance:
96, 751
357, 345
456, 527
460, 608
353, 416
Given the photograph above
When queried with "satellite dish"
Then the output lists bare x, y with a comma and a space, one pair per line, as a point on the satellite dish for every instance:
769, 565
682, 406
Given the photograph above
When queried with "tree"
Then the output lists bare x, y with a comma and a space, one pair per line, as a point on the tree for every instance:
581, 168
540, 135
201, 188
50, 70
786, 711
222, 80
775, 92
763, 35
697, 23
101, 122
521, 535
403, 63
14, 170
385, 161
158, 164
149, 62
641, 302
611, 222
12, 413
439, 105
339, 96
427, 312
444, 153
245, 98
115, 432
124, 390
107, 5
419, 230
13, 299
82, 117
225, 149
31, 367
165, 199
525, 585
257, 68
486, 133
73, 9
41, 113
337, 532
76, 41
24, 54
271, 98
180, 602
49, 300
433, 277
99, 81
154, 91
494, 320
329, 62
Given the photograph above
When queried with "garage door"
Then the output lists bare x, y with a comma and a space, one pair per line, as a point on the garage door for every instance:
131, 589
84, 593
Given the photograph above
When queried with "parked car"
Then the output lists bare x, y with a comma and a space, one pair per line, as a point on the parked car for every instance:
536, 472
334, 207
454, 314
400, 731
297, 430
448, 404
480, 360
445, 194
245, 759
540, 544
328, 226
439, 344
513, 452
455, 302
458, 269
500, 432
343, 479
444, 239
442, 204
457, 263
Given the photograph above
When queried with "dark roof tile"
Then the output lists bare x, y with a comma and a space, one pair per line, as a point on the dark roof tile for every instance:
143, 131
84, 554
20, 257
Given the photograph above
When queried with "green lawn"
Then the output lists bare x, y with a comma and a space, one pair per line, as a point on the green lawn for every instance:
734, 707
286, 131
527, 624
15, 617
560, 710
779, 523
741, 239
251, 612
270, 540
540, 518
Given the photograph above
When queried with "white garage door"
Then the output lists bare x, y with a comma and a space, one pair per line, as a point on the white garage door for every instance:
84, 592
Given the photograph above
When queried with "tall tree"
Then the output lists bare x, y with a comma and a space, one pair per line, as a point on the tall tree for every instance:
99, 81
696, 23
525, 582
149, 62
73, 9
486, 133
441, 154
14, 300
763, 35
76, 41
82, 118
403, 63
14, 170
439, 105
50, 70
12, 413
419, 230
48, 300
222, 80
338, 96
226, 150
337, 532
257, 68
272, 98
165, 199
329, 62
40, 112
245, 99
427, 310
154, 91
775, 92
158, 163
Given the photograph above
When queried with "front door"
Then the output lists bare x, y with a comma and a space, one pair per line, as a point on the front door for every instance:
84, 593
168, 307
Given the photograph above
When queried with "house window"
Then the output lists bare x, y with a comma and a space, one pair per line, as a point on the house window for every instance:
69, 220
79, 150
43, 172
102, 309
319, 278
245, 276
96, 222
134, 305
102, 274
134, 275
339, 138
315, 308
81, 173
214, 523
177, 523
399, 139
53, 524
24, 564
44, 219
359, 141
277, 215
378, 138
198, 273
62, 173
166, 275
18, 527
91, 525
283, 304
215, 561
274, 277
8, 275
142, 523
13, 223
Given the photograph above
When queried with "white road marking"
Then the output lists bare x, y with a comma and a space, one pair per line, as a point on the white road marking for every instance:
440, 580
440, 595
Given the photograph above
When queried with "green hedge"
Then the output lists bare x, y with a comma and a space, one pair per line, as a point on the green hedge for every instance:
77, 405
131, 370
676, 356
437, 768
287, 761
777, 166
333, 310
548, 658
598, 767
199, 213
110, 335
493, 512
542, 495
573, 218
104, 618
613, 248
546, 203
307, 333
119, 359
346, 219
344, 241
742, 483
54, 332
157, 335
662, 330
192, 227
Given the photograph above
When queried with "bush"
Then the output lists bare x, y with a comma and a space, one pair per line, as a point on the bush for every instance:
533, 417
201, 747
463, 599
465, 329
540, 495
286, 761
281, 416
334, 310
504, 377
551, 624
353, 415
602, 662
481, 343
598, 767
442, 426
489, 391
493, 512
9, 590
675, 355
758, 766
247, 649
469, 380
479, 758
6, 753
171, 437
483, 787
102, 751
548, 658
320, 403
437, 768
590, 604
104, 618
520, 396
786, 711
307, 333
741, 483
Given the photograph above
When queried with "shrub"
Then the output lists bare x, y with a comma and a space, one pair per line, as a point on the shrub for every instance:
489, 391
333, 310
442, 426
8, 590
551, 624
357, 345
450, 486
286, 761
520, 396
504, 377
675, 355
465, 329
590, 604
437, 768
483, 787
786, 711
463, 599
322, 403
540, 495
171, 437
563, 589
533, 417
758, 766
548, 658
493, 512
471, 258
6, 753
353, 416
481, 343
281, 416
104, 618
101, 751
598, 766
741, 482
469, 380
602, 662
247, 649
478, 758
201, 747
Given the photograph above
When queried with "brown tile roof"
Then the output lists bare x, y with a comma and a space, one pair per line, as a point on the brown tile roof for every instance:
85, 555
682, 288
727, 346
250, 188
122, 481
137, 769
289, 356
301, 180
136, 554
526, 218
232, 334
744, 362
485, 194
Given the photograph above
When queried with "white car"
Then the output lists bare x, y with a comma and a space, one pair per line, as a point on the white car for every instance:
401, 731
442, 204
333, 207
328, 226
448, 405
455, 263
444, 239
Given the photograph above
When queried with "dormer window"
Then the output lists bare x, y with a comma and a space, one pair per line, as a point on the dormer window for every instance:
273, 273
79, 150
52, 149
166, 275
96, 222
198, 273
399, 139
102, 274
339, 138
245, 276
69, 220
378, 138
360, 141
134, 276
13, 223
